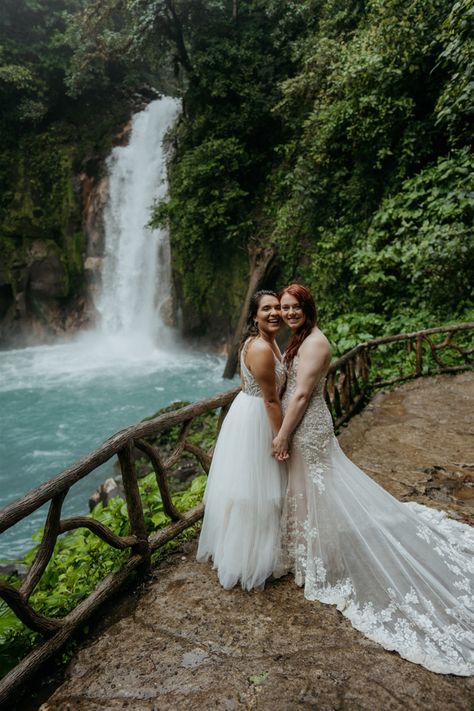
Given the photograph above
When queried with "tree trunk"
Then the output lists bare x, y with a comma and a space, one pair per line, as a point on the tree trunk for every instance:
261, 261
176, 33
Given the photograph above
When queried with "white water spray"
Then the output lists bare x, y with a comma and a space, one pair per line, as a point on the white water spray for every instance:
136, 268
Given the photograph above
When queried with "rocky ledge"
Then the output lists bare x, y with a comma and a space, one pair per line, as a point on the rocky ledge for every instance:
187, 644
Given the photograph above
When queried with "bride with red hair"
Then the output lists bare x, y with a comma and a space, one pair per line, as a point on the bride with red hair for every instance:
401, 572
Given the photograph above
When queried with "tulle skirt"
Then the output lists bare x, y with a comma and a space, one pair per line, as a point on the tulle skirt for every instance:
243, 498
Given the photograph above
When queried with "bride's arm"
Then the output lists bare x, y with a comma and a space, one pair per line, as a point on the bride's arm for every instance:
261, 362
314, 360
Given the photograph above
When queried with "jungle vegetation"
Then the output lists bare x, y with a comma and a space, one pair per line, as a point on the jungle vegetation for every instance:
328, 141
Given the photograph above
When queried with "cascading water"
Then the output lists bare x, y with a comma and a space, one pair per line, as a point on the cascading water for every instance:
136, 268
58, 402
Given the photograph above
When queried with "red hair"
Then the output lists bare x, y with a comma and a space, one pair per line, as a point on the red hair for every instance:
306, 301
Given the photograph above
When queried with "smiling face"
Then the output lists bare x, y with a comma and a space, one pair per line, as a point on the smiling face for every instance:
292, 312
268, 316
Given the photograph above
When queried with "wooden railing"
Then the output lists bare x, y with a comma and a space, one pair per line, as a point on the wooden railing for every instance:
350, 381
354, 376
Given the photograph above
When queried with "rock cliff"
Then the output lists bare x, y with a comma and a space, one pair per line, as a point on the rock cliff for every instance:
51, 231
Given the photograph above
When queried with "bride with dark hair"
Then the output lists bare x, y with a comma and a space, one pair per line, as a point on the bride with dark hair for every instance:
401, 572
244, 491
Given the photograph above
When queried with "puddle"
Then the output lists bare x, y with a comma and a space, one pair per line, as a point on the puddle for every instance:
194, 658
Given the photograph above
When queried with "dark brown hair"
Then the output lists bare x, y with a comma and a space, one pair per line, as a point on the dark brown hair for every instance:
250, 327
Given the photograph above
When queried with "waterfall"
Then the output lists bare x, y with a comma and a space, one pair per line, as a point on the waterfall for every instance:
136, 283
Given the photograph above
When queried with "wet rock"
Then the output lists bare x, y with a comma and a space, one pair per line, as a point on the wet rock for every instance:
194, 658
186, 472
122, 137
168, 312
6, 299
201, 647
106, 491
95, 195
92, 267
36, 302
13, 569
445, 485
48, 278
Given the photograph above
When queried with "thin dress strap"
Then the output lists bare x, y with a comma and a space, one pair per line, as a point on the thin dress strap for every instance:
244, 371
249, 384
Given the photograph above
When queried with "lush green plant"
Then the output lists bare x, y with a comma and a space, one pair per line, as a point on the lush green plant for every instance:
34, 54
377, 216
419, 248
454, 108
224, 150
207, 184
201, 433
81, 560
304, 125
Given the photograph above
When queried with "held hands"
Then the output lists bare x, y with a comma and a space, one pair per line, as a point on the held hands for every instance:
280, 448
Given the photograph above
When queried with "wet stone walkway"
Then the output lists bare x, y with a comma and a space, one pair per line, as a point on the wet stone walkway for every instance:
186, 644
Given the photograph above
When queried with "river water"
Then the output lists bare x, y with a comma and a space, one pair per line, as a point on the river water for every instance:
59, 402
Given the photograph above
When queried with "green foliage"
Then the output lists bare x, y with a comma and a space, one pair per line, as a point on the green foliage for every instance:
224, 148
202, 432
120, 41
207, 185
206, 199
40, 210
81, 560
34, 52
455, 104
350, 329
321, 127
44, 202
376, 215
47, 140
100, 37
366, 93
420, 248
362, 94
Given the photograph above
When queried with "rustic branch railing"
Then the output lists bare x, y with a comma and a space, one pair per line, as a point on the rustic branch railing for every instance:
349, 382
351, 378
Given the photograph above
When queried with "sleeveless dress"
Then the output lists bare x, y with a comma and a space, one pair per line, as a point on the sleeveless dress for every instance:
402, 573
244, 492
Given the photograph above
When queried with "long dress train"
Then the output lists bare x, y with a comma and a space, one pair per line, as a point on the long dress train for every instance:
401, 572
244, 492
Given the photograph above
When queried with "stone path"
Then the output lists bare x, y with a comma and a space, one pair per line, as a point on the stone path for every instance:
186, 644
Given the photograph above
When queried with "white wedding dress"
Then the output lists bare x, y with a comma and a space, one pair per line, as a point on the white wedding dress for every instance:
244, 492
401, 572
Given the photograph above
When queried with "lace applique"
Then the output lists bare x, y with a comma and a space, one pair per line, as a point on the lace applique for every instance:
250, 385
315, 432
402, 573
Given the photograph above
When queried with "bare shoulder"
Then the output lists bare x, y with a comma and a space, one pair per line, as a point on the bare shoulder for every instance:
258, 350
316, 346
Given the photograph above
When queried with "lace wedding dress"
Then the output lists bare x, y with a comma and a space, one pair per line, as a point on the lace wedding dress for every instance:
244, 492
401, 572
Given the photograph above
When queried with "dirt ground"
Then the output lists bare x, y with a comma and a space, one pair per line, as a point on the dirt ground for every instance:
186, 644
